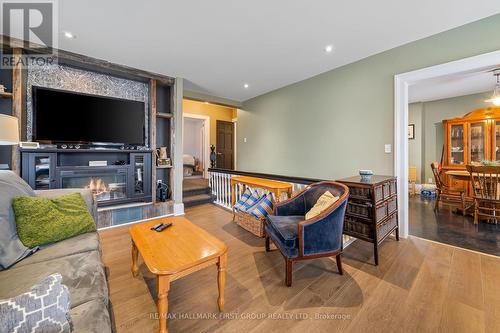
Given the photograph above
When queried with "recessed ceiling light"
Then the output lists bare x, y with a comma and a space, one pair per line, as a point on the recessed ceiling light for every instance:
69, 35
328, 48
207, 103
246, 86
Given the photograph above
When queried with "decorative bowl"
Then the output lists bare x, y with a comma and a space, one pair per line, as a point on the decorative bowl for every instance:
366, 175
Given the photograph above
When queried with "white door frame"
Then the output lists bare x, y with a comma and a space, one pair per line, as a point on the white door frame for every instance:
206, 146
401, 83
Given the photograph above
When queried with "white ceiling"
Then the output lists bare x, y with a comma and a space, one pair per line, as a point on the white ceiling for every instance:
459, 84
219, 45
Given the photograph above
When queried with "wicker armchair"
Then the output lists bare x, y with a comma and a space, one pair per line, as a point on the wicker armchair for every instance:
445, 194
301, 239
486, 186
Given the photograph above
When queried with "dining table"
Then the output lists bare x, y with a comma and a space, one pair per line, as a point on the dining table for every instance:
463, 175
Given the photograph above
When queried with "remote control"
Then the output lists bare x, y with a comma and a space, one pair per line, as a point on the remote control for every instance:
163, 227
156, 226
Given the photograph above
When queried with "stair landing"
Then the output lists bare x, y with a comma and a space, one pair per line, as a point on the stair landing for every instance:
196, 192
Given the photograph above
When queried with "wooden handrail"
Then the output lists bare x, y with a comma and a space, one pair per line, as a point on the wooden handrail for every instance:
289, 179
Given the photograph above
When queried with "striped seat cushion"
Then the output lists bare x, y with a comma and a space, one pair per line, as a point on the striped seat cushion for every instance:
244, 197
263, 207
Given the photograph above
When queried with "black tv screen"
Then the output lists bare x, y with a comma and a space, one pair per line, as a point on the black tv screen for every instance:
67, 117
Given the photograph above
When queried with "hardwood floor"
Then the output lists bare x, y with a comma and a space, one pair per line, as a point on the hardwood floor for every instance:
419, 286
447, 227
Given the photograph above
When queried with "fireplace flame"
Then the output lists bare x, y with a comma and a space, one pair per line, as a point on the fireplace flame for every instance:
97, 186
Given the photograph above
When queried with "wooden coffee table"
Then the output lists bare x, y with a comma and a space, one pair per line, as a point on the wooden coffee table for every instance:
175, 252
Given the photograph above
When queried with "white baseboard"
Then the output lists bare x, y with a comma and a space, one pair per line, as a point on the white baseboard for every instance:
178, 209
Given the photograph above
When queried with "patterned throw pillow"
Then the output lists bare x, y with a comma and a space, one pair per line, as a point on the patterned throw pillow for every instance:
254, 198
244, 197
263, 207
325, 200
44, 308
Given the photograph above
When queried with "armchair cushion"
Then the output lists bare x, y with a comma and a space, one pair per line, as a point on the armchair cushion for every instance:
283, 229
325, 200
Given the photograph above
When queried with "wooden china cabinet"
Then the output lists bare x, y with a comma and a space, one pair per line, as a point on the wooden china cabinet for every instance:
471, 139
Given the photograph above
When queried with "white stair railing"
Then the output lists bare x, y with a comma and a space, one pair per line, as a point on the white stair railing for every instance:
220, 183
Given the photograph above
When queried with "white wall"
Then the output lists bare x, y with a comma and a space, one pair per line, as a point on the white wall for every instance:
333, 124
193, 137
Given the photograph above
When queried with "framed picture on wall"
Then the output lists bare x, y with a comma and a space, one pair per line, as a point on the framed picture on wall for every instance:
411, 131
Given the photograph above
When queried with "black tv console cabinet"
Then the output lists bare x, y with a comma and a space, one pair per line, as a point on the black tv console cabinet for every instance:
122, 176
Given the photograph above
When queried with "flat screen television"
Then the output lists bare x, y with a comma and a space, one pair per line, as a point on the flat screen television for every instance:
61, 116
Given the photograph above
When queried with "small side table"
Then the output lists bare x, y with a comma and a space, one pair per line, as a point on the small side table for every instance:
372, 209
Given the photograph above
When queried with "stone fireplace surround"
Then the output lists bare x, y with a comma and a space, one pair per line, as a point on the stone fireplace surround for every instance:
83, 81
67, 161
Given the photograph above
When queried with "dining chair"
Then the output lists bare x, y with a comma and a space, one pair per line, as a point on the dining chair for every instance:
445, 194
485, 182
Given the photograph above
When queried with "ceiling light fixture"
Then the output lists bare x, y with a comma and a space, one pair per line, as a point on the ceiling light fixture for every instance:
495, 99
328, 48
246, 86
207, 103
69, 35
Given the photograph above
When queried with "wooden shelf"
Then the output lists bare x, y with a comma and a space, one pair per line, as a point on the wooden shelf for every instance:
164, 115
5, 95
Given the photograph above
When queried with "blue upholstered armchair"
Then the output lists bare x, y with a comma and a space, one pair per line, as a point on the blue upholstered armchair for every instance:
301, 239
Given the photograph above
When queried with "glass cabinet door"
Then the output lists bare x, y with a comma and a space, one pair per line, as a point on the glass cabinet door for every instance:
496, 148
42, 172
39, 170
140, 164
138, 174
477, 141
457, 145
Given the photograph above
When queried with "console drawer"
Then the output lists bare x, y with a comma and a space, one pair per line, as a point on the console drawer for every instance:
362, 209
358, 227
387, 225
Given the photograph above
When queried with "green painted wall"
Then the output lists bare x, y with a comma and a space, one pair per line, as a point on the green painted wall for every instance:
415, 146
428, 146
333, 124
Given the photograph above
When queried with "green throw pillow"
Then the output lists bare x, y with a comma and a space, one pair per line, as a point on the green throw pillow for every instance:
41, 221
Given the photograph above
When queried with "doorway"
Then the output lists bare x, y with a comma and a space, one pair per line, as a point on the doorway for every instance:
225, 145
403, 86
196, 137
